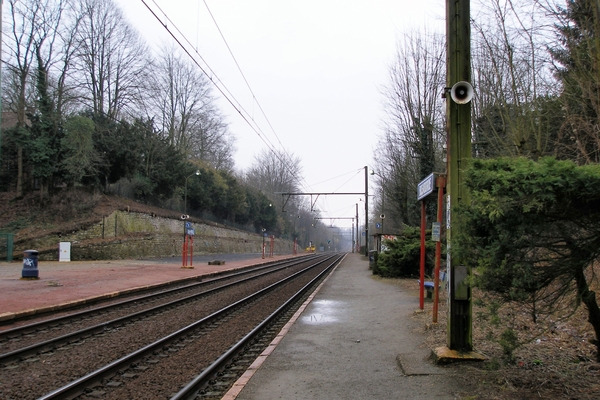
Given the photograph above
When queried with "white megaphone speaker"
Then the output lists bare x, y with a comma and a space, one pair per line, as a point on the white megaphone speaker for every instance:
461, 92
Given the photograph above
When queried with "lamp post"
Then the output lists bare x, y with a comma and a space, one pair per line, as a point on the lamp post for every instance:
367, 211
187, 238
184, 217
382, 216
357, 230
296, 236
197, 173
263, 230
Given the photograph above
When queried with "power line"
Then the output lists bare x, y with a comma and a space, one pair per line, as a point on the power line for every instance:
215, 81
355, 173
242, 73
339, 176
225, 91
251, 91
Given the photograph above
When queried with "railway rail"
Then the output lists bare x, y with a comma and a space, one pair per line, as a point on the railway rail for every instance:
134, 296
20, 341
118, 375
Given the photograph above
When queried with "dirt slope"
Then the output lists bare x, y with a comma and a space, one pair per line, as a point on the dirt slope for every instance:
28, 217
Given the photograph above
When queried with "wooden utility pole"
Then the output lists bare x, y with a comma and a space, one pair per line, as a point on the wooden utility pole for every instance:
357, 244
458, 37
367, 210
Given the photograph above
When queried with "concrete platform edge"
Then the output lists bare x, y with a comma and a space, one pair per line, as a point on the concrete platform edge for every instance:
8, 316
237, 387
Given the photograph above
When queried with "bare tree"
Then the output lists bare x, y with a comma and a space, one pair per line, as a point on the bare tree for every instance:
211, 141
61, 79
181, 97
36, 32
46, 135
414, 127
179, 93
23, 15
274, 171
512, 79
111, 58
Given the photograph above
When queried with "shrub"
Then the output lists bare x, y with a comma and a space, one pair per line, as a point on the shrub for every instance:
402, 259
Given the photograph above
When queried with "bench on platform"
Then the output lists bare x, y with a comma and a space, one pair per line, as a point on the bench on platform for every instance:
429, 285
429, 288
216, 262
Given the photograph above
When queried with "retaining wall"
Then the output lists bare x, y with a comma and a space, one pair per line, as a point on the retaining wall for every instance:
126, 235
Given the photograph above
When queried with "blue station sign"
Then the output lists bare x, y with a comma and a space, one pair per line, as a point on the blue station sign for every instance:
426, 187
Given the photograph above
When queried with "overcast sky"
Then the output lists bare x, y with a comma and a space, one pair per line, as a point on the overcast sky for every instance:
316, 68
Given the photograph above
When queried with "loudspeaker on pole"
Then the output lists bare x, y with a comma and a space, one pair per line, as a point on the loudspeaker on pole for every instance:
461, 92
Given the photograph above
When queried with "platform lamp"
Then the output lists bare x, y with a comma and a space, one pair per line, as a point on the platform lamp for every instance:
382, 216
295, 234
263, 230
197, 173
357, 245
184, 217
367, 210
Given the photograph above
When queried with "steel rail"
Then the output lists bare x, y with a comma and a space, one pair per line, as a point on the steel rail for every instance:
36, 326
76, 387
191, 389
51, 344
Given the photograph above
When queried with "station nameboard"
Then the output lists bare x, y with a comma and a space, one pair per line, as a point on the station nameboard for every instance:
426, 187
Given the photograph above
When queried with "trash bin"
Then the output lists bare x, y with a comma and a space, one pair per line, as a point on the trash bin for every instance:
30, 265
372, 258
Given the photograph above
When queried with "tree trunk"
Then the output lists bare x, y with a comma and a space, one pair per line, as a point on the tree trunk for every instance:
19, 170
588, 298
20, 124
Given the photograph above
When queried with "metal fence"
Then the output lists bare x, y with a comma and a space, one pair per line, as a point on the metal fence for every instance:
6, 246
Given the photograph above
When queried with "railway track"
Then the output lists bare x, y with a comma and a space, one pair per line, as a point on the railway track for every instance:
168, 340
86, 322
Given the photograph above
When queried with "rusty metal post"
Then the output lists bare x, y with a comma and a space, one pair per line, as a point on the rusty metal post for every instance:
441, 184
422, 264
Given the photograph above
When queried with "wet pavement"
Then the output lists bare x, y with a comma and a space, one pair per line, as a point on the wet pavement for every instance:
354, 340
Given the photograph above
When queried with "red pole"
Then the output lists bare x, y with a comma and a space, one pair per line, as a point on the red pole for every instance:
183, 252
422, 280
191, 251
441, 184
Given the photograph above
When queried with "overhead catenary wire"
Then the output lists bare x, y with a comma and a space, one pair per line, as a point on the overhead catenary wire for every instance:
242, 73
222, 88
282, 155
354, 174
301, 179
212, 77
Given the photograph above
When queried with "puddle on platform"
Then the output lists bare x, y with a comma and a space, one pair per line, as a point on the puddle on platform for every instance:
323, 311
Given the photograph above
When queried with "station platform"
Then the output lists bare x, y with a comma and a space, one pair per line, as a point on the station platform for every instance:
355, 338
63, 284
